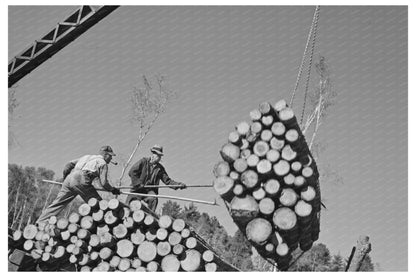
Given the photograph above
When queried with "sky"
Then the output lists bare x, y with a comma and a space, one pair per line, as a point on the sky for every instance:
222, 62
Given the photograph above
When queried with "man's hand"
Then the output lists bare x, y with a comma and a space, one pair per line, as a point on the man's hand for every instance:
181, 185
115, 191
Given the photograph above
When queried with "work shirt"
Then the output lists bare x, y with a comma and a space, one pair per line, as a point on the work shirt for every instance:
143, 173
93, 166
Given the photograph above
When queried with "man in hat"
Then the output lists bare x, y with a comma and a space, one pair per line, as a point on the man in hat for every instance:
149, 172
78, 176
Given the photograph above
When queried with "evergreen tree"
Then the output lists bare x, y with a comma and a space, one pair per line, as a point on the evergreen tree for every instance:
172, 209
316, 259
337, 263
367, 264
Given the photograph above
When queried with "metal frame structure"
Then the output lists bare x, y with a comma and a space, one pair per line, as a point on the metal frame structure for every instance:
64, 33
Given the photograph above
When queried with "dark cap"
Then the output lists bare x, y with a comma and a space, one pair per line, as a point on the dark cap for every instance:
157, 149
107, 149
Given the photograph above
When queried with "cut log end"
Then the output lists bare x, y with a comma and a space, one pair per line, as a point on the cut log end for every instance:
243, 209
256, 127
281, 168
243, 128
261, 148
267, 120
147, 251
165, 221
273, 155
278, 129
266, 206
288, 197
284, 218
264, 167
271, 187
253, 160
266, 135
308, 194
135, 205
287, 115
222, 168
240, 165
303, 209
192, 261
125, 248
280, 105
288, 153
235, 138
292, 135
265, 108
170, 263
258, 194
277, 144
223, 186
230, 152
178, 225
258, 230
249, 179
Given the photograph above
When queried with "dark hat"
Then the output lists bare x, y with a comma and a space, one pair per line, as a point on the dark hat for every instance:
107, 149
157, 149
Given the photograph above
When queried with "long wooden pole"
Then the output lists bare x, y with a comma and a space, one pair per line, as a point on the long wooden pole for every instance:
150, 186
214, 203
150, 195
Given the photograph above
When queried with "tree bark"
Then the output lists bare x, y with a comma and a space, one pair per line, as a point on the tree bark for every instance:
223, 186
230, 152
244, 209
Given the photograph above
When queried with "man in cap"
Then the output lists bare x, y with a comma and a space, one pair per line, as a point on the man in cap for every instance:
78, 176
149, 172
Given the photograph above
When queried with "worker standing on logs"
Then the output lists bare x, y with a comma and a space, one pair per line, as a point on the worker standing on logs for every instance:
78, 176
148, 172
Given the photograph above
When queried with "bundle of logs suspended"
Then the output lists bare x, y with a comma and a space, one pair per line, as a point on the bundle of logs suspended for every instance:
270, 183
110, 236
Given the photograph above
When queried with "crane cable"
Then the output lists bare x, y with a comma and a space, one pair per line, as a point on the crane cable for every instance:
310, 42
312, 34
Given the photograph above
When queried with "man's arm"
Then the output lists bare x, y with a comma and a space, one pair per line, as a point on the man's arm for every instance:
104, 181
68, 168
168, 181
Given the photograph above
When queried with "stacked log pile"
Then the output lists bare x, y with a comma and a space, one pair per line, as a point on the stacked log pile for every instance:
110, 236
270, 183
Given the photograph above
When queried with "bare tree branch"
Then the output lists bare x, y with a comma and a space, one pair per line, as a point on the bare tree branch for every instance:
148, 103
321, 100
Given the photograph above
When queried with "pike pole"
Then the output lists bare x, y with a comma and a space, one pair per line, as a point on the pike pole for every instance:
214, 203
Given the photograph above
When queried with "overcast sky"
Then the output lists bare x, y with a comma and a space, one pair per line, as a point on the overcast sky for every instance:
222, 62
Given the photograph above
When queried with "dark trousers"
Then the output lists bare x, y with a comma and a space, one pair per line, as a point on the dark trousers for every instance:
76, 183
